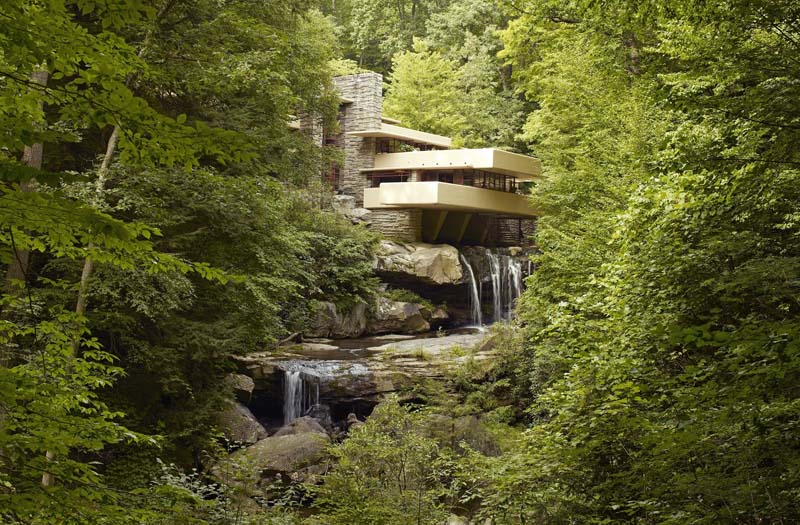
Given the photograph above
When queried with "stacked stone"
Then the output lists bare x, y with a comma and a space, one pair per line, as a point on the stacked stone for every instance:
398, 225
365, 90
507, 231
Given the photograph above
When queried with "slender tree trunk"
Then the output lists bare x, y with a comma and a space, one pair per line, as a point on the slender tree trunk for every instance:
48, 480
31, 156
100, 186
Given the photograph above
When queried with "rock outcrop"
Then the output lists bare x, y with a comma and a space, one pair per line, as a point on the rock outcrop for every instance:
297, 457
329, 322
431, 264
300, 425
239, 425
399, 317
391, 367
346, 205
242, 386
387, 316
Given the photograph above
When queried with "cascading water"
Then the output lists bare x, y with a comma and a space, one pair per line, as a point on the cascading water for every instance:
514, 283
494, 269
505, 275
300, 392
475, 296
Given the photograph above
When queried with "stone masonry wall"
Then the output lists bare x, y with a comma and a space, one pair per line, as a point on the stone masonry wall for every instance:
505, 231
397, 225
365, 90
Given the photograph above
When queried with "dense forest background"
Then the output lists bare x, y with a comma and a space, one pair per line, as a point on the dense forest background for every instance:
158, 215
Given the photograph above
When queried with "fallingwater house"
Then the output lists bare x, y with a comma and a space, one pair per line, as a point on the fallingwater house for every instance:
416, 187
456, 228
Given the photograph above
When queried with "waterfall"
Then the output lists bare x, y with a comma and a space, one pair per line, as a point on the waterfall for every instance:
300, 393
475, 297
505, 274
514, 283
497, 284
506, 278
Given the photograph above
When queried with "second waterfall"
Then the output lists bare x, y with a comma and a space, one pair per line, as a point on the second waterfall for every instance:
503, 273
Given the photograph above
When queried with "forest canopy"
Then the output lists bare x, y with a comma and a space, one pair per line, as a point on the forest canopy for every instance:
159, 216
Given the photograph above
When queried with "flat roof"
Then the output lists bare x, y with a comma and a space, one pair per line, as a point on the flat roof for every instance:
486, 159
390, 120
391, 131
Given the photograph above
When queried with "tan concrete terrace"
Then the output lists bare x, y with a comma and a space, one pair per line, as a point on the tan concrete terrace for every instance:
522, 167
391, 131
445, 196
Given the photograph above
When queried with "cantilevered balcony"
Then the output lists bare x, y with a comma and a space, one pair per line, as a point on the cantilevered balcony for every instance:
493, 160
445, 196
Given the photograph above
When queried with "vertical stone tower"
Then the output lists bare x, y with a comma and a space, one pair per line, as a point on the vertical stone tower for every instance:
362, 103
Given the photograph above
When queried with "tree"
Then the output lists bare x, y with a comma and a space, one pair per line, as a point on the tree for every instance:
117, 86
456, 68
662, 344
423, 92
372, 32
386, 472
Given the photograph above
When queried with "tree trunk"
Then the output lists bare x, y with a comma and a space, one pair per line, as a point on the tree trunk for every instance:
32, 157
48, 480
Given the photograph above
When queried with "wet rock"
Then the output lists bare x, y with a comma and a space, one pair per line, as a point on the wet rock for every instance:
427, 263
238, 424
322, 414
395, 366
318, 347
440, 315
322, 340
300, 426
397, 316
353, 422
329, 322
291, 455
393, 337
242, 386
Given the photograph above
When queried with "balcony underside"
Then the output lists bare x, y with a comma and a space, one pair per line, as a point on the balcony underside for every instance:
447, 197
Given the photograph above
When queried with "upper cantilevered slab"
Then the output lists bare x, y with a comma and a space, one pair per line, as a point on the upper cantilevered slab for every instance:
487, 159
390, 131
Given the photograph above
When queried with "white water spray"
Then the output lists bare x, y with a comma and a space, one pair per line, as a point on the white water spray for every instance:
497, 283
475, 297
299, 394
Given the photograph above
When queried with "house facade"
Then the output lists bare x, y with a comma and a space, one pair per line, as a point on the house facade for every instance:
417, 187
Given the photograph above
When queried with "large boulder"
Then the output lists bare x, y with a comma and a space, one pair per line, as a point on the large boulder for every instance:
239, 425
434, 264
329, 322
397, 316
300, 426
241, 385
297, 457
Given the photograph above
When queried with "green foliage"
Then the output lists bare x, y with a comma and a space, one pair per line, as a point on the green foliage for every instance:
661, 352
200, 96
371, 32
386, 473
407, 296
423, 92
89, 68
452, 82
